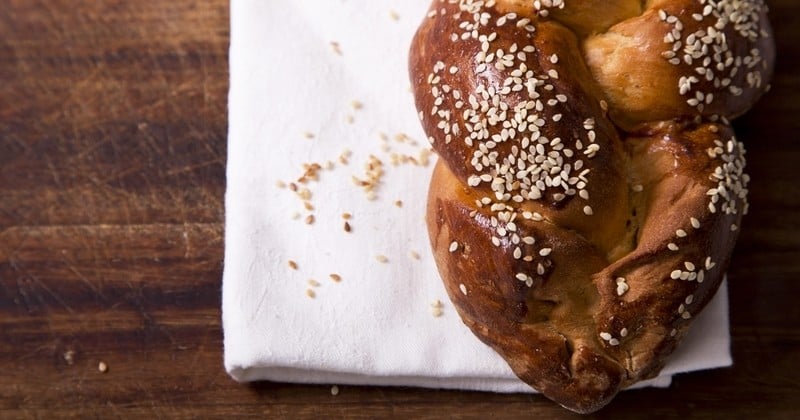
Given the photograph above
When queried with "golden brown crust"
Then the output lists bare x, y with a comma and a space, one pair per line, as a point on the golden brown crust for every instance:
684, 58
577, 242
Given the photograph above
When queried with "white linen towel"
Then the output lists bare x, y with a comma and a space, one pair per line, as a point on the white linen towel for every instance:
325, 81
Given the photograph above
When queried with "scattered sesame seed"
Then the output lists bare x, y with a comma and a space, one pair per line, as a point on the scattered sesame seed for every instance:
672, 247
310, 293
347, 227
335, 277
588, 210
336, 48
382, 259
463, 289
292, 265
335, 390
414, 254
695, 223
313, 283
310, 219
436, 308
102, 367
394, 15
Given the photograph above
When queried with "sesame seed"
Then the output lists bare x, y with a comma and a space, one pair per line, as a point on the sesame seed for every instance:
292, 265
335, 277
453, 246
517, 253
680, 233
545, 252
710, 264
463, 289
102, 367
310, 293
335, 390
622, 286
382, 259
672, 247
336, 48
414, 254
588, 210
623, 332
695, 223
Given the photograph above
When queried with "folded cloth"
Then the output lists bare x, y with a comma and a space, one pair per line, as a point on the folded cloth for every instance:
328, 274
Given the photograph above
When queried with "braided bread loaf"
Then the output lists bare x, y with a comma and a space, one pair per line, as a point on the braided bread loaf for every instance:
590, 187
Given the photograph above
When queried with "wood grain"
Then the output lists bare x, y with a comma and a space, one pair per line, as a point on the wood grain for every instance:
112, 175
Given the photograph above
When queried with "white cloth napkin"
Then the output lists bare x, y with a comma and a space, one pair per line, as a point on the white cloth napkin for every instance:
309, 80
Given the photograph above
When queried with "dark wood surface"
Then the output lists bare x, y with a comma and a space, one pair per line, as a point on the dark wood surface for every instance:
112, 174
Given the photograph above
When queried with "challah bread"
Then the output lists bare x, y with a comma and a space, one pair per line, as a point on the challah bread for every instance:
579, 222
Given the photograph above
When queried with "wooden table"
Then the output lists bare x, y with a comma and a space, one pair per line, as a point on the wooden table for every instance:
112, 173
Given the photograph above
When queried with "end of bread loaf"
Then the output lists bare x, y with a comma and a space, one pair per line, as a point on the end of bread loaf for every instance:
582, 211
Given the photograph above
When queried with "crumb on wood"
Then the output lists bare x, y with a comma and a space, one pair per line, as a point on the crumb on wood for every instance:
69, 356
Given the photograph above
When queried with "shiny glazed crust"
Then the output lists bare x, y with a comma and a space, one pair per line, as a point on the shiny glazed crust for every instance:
579, 223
